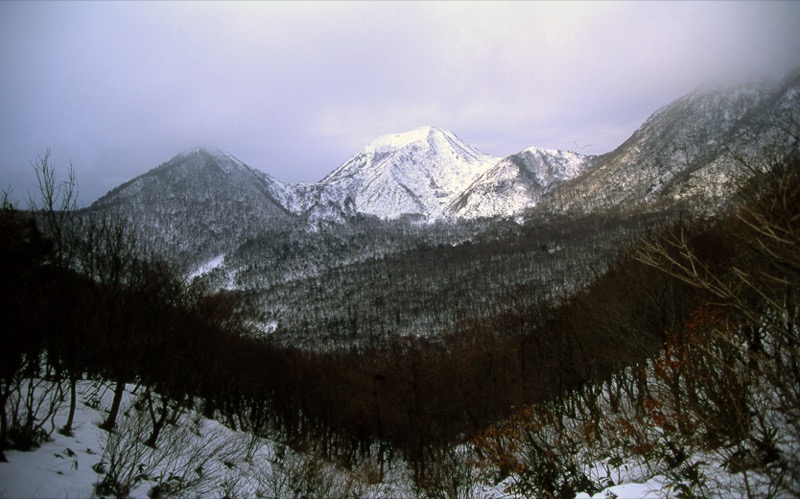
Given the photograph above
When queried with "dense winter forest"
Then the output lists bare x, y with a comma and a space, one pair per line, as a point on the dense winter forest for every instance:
563, 355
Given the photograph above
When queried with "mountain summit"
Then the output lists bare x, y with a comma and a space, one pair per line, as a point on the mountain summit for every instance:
418, 172
202, 200
683, 155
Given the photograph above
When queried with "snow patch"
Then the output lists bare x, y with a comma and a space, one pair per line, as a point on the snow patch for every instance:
208, 266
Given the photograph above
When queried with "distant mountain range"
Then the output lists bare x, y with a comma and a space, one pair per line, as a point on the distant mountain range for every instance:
683, 154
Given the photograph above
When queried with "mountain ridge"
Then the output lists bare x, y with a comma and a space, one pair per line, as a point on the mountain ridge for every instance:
684, 153
202, 202
680, 156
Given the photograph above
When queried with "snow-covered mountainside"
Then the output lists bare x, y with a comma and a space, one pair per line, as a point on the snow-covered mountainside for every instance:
203, 202
413, 173
684, 153
517, 182
201, 457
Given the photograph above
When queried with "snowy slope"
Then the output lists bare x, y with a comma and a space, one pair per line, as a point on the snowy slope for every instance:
199, 457
517, 182
418, 172
196, 457
201, 203
684, 152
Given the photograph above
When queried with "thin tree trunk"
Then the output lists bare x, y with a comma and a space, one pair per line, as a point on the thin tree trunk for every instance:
111, 420
73, 401
158, 422
3, 426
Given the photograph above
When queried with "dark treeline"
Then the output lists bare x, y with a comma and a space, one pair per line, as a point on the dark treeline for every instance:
87, 300
129, 319
429, 289
421, 395
116, 313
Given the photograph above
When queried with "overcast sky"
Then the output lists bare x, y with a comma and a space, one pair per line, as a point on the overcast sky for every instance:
295, 89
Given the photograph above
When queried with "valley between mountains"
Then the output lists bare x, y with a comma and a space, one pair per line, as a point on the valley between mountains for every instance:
427, 320
435, 231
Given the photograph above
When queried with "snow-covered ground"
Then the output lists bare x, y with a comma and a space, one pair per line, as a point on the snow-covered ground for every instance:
652, 489
208, 266
62, 467
198, 457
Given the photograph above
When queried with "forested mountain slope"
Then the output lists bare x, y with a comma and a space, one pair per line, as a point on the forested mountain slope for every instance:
201, 203
684, 154
419, 232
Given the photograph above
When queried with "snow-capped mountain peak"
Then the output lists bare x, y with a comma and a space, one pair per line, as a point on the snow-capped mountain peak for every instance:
679, 154
417, 172
434, 137
210, 150
400, 140
204, 200
518, 182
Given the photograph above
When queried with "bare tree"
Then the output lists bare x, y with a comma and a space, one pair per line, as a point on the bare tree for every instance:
57, 202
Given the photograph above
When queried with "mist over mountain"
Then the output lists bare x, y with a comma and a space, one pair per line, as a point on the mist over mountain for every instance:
354, 249
684, 154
